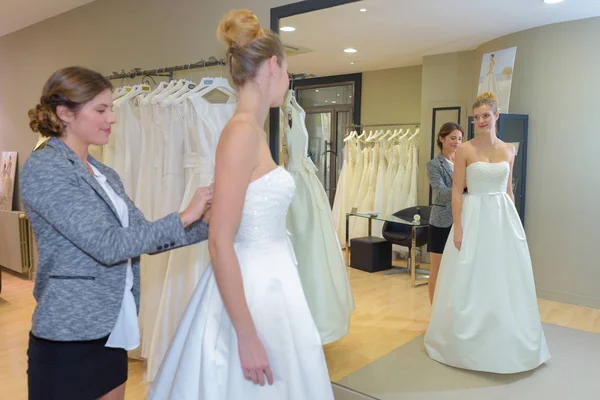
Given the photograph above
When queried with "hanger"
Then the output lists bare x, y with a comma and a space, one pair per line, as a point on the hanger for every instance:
187, 85
370, 135
389, 131
159, 88
395, 135
136, 90
121, 91
220, 84
176, 85
351, 136
414, 135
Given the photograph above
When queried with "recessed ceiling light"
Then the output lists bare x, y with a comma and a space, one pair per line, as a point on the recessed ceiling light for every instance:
317, 90
287, 28
338, 94
553, 1
350, 50
334, 101
352, 62
363, 10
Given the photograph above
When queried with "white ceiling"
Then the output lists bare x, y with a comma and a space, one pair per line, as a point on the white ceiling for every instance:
398, 33
18, 14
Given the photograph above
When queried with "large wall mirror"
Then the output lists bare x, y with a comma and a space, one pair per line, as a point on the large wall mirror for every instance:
376, 80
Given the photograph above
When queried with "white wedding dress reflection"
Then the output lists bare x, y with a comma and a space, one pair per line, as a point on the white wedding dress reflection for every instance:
203, 361
485, 313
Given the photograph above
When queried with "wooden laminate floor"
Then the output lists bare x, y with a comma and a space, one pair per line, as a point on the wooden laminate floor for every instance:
389, 313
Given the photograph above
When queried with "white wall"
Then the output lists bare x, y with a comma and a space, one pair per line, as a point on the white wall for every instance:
391, 95
557, 83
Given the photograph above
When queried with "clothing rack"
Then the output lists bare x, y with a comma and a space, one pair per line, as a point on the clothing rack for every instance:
297, 77
167, 71
352, 126
416, 124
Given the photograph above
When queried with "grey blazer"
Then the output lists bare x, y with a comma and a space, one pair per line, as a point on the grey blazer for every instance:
83, 249
440, 179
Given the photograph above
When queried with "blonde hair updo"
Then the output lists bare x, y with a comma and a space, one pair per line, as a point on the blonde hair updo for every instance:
486, 99
248, 44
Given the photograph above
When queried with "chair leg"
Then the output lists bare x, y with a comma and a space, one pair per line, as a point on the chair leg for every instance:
400, 270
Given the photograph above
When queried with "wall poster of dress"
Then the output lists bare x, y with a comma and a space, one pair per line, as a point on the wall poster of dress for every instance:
496, 75
8, 166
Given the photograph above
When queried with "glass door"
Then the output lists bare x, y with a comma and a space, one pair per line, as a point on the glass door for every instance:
318, 125
328, 112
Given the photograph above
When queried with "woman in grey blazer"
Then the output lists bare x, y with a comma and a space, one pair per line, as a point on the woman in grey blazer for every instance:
90, 237
440, 171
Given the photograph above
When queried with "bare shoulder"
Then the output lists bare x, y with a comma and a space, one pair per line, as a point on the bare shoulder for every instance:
240, 129
239, 136
509, 149
465, 149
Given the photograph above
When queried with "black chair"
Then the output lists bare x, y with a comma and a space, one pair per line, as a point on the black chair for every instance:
402, 235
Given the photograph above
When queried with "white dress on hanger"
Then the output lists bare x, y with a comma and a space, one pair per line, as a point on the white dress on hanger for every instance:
380, 188
411, 197
390, 174
168, 188
186, 265
320, 260
367, 194
358, 228
485, 312
341, 203
358, 173
203, 360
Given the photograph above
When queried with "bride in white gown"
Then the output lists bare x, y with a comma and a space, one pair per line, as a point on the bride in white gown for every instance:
485, 314
247, 332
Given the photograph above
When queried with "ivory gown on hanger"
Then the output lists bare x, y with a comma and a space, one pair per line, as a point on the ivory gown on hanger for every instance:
203, 360
186, 265
485, 312
341, 203
310, 222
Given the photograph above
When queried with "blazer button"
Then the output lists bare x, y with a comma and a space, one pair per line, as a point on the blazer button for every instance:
159, 248
172, 244
166, 246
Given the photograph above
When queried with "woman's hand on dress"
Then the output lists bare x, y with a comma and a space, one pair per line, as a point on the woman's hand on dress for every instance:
254, 361
198, 206
458, 236
206, 215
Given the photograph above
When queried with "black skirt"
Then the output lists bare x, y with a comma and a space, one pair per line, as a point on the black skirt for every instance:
437, 239
82, 370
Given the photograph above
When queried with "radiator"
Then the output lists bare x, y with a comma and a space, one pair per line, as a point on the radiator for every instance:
17, 244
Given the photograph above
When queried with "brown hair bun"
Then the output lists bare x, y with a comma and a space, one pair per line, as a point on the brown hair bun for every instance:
44, 121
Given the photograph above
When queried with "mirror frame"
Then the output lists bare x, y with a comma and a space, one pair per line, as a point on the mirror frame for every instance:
278, 13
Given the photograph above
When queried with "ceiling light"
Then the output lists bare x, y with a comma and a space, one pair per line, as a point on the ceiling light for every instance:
350, 50
338, 94
363, 10
287, 28
553, 1
317, 90
352, 62
334, 101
